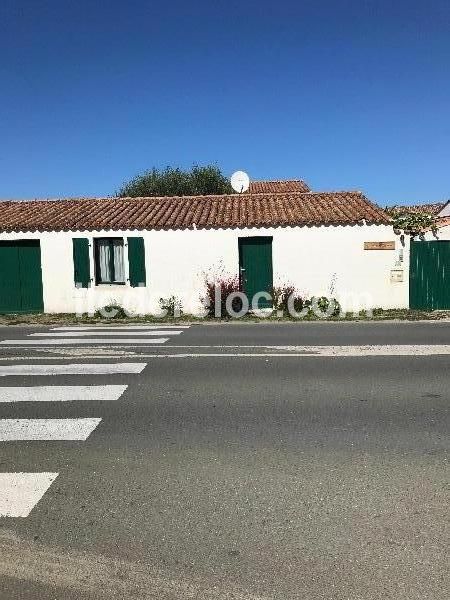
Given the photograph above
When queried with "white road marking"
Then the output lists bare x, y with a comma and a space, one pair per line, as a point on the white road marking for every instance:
395, 350
310, 352
12, 430
69, 334
120, 327
20, 492
65, 341
72, 369
370, 350
264, 352
56, 393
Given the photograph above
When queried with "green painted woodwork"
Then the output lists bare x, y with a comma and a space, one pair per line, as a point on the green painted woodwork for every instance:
136, 261
21, 277
10, 299
429, 276
31, 276
81, 263
256, 271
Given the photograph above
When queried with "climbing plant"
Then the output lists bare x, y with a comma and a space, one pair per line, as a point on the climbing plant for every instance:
412, 223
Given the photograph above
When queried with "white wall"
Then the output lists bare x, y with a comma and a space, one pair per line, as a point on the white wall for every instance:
315, 259
443, 233
445, 212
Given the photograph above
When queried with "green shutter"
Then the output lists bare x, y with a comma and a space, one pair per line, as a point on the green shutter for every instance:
136, 261
81, 263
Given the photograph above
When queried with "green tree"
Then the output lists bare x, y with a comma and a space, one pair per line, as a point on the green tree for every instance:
172, 181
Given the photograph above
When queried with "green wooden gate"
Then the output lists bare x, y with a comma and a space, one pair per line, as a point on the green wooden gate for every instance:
256, 272
429, 275
20, 277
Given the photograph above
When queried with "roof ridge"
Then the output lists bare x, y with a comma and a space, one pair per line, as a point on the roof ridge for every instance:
432, 203
276, 180
195, 197
333, 192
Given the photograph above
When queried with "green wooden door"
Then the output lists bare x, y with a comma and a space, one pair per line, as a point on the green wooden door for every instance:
31, 276
429, 275
255, 266
9, 277
20, 277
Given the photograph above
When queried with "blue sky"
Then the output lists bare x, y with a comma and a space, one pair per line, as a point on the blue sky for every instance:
344, 94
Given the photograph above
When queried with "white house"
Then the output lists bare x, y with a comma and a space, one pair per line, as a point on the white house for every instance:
75, 255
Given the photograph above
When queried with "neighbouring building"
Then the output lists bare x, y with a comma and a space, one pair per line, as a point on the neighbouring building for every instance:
429, 286
439, 210
75, 255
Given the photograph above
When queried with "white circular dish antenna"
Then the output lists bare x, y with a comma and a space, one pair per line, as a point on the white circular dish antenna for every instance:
240, 181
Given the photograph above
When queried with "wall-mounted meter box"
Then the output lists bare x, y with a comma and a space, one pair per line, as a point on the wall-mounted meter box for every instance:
397, 275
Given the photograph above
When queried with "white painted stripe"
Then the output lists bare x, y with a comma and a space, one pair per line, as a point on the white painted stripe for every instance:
65, 341
271, 351
370, 350
387, 349
20, 492
56, 393
318, 352
120, 327
15, 430
226, 355
69, 334
72, 369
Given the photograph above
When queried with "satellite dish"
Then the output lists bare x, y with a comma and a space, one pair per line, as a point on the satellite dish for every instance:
240, 182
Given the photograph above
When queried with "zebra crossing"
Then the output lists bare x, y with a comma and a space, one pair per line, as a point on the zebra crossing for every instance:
61, 393
93, 335
20, 492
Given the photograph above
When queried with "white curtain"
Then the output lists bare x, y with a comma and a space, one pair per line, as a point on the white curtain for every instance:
106, 274
119, 269
104, 261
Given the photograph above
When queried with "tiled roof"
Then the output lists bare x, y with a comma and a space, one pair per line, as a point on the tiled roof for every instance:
278, 187
246, 210
443, 222
430, 209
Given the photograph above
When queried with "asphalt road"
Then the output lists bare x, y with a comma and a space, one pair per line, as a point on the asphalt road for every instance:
317, 333
239, 477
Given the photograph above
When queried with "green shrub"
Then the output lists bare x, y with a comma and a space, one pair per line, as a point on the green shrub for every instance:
111, 311
172, 306
281, 295
321, 306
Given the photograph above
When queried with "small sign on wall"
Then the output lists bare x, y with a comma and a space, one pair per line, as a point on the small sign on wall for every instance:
379, 245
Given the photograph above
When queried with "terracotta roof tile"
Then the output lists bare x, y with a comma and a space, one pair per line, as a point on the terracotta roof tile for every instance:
443, 222
278, 187
431, 208
245, 210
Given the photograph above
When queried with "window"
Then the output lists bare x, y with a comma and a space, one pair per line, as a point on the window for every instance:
109, 261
